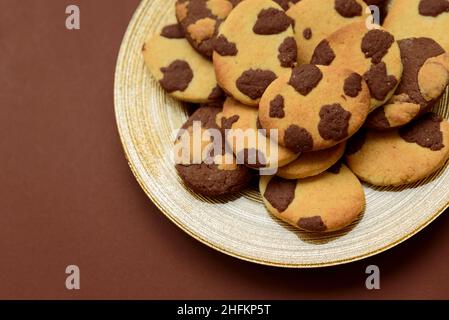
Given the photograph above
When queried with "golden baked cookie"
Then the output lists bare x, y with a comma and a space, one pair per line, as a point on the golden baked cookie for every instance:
310, 164
371, 53
315, 107
255, 45
400, 156
180, 70
317, 19
324, 203
425, 77
419, 18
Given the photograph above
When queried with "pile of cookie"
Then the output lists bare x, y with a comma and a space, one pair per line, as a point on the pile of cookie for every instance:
331, 98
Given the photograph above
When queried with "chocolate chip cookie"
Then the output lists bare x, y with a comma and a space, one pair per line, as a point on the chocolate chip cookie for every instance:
327, 202
315, 107
400, 156
255, 45
179, 69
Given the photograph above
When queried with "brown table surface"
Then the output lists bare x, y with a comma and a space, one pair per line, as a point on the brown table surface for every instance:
67, 195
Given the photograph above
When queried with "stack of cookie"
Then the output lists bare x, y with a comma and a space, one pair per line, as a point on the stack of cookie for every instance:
309, 95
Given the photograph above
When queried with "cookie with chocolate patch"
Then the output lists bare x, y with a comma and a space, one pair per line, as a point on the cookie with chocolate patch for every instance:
424, 79
400, 156
323, 203
202, 160
321, 107
180, 70
310, 164
200, 20
255, 45
250, 145
317, 19
374, 54
419, 18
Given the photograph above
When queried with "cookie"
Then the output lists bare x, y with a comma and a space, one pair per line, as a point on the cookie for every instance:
400, 156
317, 19
201, 158
371, 53
250, 145
425, 76
180, 70
324, 203
419, 18
315, 107
255, 46
310, 164
200, 20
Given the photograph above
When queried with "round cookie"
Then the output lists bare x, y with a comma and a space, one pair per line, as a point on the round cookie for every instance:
180, 70
371, 53
315, 107
251, 146
310, 164
201, 160
400, 156
200, 20
315, 20
324, 203
255, 46
425, 76
419, 18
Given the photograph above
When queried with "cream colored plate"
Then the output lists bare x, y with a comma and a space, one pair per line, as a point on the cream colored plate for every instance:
240, 226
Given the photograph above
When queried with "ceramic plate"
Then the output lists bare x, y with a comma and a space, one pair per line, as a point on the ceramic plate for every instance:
240, 225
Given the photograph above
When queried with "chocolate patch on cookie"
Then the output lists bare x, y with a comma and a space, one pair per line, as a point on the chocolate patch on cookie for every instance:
288, 52
271, 21
285, 4
379, 83
216, 93
335, 169
307, 33
206, 114
353, 85
426, 132
323, 54
226, 123
334, 122
277, 107
375, 44
348, 8
177, 76
252, 157
313, 224
414, 53
377, 120
356, 142
225, 48
172, 31
305, 78
209, 180
253, 83
433, 8
298, 139
280, 193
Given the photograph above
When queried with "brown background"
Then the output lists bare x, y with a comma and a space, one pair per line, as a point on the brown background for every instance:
67, 195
